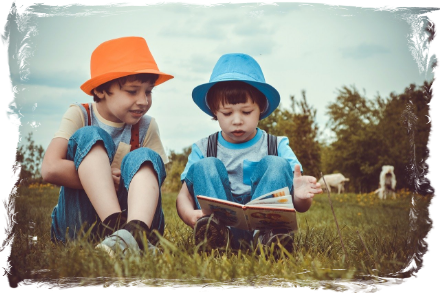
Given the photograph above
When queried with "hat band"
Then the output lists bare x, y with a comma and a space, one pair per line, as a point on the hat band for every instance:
236, 76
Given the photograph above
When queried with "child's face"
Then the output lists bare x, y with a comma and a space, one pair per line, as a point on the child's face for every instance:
238, 122
125, 104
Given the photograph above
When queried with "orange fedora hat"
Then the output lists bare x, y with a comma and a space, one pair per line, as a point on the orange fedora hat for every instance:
121, 57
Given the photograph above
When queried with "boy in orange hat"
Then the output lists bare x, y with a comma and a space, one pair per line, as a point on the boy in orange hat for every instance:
107, 156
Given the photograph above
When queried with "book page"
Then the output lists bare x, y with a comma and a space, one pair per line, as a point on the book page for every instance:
229, 213
260, 218
280, 197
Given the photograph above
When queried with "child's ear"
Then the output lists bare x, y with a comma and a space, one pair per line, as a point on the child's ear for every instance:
99, 94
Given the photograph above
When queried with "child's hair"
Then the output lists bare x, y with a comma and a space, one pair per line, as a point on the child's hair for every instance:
233, 92
142, 77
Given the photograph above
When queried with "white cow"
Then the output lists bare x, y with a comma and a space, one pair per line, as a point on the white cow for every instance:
334, 180
387, 182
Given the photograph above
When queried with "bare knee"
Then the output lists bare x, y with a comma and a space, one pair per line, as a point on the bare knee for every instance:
146, 171
98, 146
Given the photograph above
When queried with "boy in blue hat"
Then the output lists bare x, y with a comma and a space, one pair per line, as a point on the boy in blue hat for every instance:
241, 162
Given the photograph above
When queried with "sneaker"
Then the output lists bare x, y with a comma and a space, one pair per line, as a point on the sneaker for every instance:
143, 236
276, 237
120, 243
209, 233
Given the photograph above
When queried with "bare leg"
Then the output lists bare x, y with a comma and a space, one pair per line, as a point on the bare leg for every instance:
96, 178
143, 195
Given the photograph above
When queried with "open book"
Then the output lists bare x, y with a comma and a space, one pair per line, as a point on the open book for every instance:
273, 210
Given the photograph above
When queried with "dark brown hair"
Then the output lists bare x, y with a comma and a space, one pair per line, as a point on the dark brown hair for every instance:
142, 77
234, 92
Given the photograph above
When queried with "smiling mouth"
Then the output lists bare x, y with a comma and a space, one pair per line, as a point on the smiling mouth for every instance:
139, 112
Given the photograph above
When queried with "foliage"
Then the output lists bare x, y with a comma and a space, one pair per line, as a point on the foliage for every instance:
433, 28
353, 153
301, 129
373, 133
29, 156
410, 136
378, 236
174, 168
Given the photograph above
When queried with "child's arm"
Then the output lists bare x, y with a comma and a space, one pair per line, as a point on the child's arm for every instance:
56, 169
305, 187
186, 207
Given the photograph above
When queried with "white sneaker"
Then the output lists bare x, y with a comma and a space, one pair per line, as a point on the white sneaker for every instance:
119, 243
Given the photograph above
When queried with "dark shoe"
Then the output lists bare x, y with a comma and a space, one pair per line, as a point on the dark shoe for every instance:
142, 233
209, 233
276, 238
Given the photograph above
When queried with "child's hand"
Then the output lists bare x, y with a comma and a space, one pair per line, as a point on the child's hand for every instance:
194, 216
116, 175
304, 186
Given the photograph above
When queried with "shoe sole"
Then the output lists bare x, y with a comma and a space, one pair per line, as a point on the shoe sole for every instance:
210, 230
106, 249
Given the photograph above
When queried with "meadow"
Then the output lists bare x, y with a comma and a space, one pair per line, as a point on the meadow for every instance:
380, 237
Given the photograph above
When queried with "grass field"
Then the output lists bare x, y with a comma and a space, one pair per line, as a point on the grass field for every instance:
380, 239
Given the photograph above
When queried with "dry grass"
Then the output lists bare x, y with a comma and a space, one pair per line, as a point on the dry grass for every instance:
380, 238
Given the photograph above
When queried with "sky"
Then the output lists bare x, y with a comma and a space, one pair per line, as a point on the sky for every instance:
317, 46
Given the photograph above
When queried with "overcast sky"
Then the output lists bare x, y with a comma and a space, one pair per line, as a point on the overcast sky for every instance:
317, 46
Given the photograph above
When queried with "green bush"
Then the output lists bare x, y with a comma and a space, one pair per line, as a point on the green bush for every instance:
29, 157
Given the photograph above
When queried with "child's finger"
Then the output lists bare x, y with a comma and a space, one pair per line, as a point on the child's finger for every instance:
116, 172
297, 172
116, 179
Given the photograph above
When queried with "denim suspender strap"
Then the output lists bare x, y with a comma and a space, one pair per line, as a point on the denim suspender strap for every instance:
272, 148
134, 140
89, 120
211, 151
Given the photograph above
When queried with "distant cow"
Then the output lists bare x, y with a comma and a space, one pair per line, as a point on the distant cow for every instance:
334, 180
387, 182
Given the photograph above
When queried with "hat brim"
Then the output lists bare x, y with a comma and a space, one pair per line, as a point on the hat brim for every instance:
92, 83
272, 96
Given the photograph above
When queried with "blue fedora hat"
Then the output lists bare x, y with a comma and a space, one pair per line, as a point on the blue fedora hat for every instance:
240, 67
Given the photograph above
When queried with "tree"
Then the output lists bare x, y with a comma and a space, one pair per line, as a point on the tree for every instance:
353, 153
174, 168
405, 128
373, 133
433, 28
29, 156
302, 130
